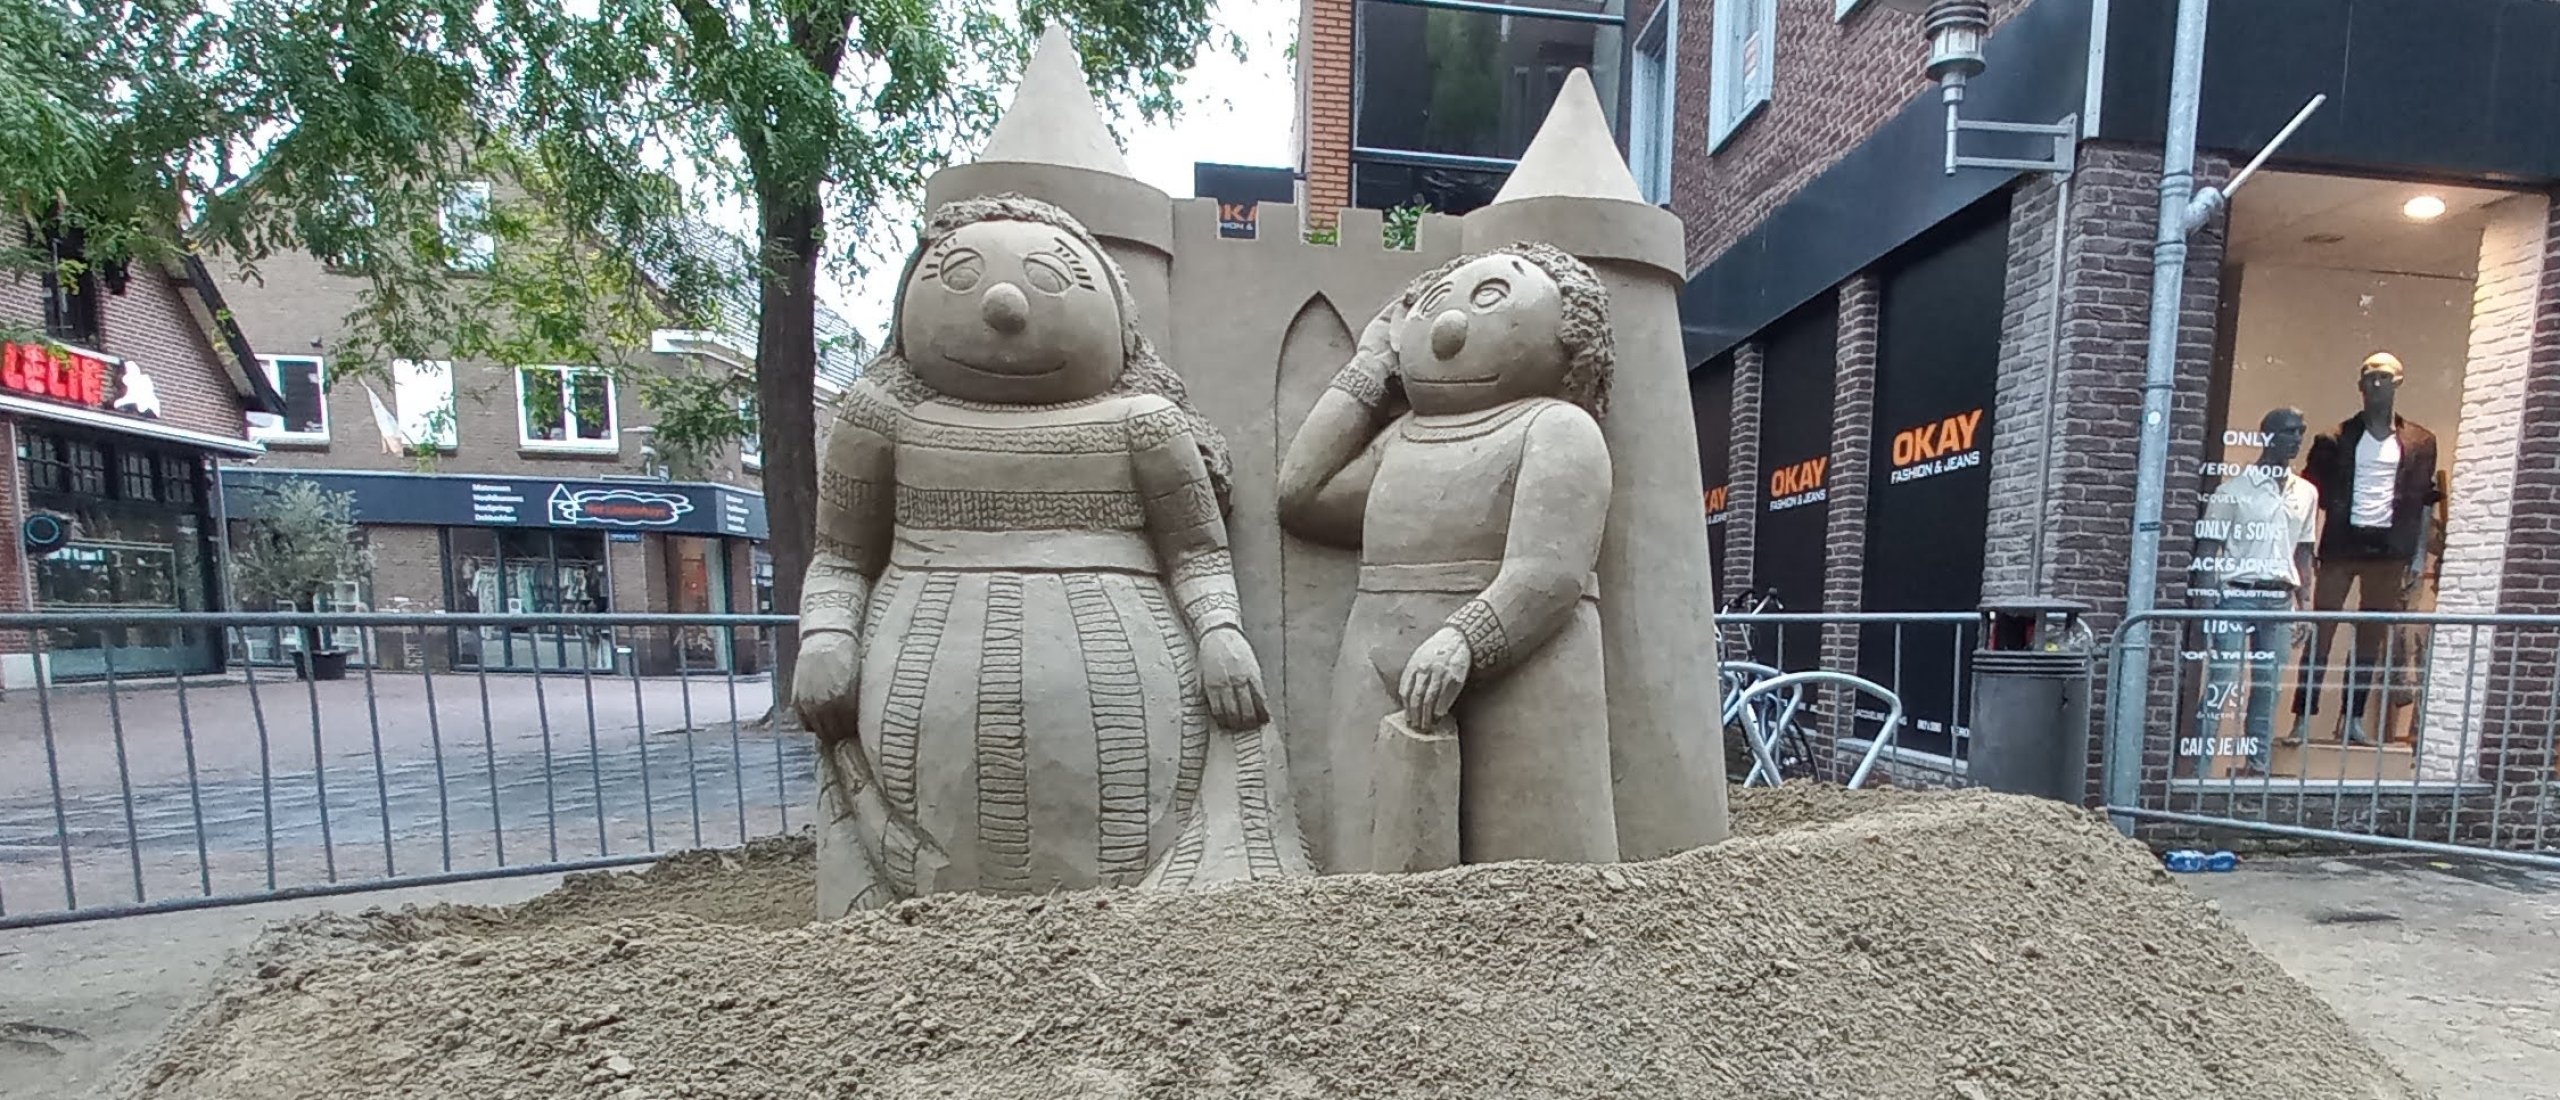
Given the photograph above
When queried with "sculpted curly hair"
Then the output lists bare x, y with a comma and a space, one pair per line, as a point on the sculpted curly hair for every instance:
1591, 348
1142, 369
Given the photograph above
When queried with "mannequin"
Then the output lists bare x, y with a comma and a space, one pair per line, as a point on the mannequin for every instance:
2377, 480
2253, 553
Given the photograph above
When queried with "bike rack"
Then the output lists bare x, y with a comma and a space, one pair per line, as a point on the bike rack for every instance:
1763, 737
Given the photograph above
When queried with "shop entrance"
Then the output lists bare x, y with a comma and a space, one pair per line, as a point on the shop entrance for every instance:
698, 584
139, 518
2354, 301
520, 571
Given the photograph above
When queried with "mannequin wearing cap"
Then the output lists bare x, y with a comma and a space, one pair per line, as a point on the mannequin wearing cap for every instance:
2377, 479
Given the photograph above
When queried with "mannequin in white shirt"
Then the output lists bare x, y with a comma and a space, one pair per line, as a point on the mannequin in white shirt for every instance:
2376, 478
2253, 554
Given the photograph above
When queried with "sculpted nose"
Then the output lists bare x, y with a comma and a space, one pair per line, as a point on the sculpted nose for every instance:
1448, 334
1005, 309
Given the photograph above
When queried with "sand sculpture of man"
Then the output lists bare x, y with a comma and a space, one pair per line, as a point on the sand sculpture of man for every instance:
1460, 452
1020, 645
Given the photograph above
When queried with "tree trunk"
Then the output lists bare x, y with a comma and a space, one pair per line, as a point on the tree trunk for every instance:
786, 402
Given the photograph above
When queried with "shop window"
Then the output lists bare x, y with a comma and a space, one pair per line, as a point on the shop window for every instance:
178, 484
465, 222
1446, 99
1738, 74
306, 401
46, 462
2354, 463
1651, 90
87, 465
139, 476
566, 408
423, 390
517, 571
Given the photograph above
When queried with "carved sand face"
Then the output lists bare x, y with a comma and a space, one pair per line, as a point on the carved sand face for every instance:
1488, 332
1012, 312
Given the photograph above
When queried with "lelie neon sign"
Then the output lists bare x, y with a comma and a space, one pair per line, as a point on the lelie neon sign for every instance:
77, 378
57, 374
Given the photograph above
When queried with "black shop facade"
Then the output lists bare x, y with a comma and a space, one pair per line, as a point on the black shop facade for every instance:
509, 545
1918, 391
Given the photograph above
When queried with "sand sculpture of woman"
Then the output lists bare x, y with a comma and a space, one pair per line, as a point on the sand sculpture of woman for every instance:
1460, 451
1021, 624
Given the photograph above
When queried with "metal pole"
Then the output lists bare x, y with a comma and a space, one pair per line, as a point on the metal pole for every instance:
2131, 694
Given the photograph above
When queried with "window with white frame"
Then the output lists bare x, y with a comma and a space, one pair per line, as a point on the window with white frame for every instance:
1739, 72
422, 393
750, 445
1650, 94
466, 227
299, 380
566, 408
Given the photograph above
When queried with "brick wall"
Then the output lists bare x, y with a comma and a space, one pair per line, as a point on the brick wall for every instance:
2516, 750
1324, 35
1742, 498
150, 325
2494, 381
2072, 539
298, 306
1853, 395
1833, 84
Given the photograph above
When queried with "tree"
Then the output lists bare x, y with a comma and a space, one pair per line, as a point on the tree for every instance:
348, 128
298, 545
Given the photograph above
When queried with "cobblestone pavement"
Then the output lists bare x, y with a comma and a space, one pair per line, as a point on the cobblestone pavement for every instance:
498, 771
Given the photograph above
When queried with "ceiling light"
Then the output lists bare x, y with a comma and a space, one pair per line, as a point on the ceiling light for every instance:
2424, 208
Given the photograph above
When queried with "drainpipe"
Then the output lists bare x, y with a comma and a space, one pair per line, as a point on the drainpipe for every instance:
2129, 697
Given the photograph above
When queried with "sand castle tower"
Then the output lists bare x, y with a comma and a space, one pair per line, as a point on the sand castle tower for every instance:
1572, 190
1051, 145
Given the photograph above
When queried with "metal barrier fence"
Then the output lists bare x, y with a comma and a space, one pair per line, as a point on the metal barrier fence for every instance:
2417, 731
167, 761
1921, 657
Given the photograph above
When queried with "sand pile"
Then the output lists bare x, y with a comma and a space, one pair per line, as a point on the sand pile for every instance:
1934, 946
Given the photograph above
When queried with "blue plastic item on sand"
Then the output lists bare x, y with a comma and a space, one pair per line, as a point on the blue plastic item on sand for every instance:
2185, 861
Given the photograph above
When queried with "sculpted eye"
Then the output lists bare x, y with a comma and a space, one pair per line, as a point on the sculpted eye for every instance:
961, 269
1046, 275
1433, 298
1490, 293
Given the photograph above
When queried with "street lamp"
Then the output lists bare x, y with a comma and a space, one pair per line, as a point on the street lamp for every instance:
1956, 30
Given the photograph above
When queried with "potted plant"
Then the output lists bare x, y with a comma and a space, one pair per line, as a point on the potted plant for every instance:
301, 541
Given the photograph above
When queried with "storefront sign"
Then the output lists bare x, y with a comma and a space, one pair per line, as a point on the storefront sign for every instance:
447, 500
74, 377
1240, 191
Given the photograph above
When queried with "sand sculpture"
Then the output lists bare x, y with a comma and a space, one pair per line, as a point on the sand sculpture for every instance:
1460, 452
971, 581
1020, 634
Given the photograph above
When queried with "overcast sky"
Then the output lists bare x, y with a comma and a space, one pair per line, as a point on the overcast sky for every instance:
1234, 112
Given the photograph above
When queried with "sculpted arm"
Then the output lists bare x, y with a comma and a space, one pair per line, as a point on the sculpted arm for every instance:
1326, 473
1190, 538
856, 484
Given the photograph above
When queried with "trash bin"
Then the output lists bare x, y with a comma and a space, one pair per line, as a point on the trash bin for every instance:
2031, 676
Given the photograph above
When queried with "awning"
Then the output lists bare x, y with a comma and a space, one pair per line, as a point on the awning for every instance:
69, 414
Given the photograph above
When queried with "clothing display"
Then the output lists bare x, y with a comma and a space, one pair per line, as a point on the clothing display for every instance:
2333, 468
2259, 519
2254, 530
2378, 493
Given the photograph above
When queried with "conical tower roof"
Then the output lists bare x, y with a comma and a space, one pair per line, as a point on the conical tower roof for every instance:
1574, 155
1053, 119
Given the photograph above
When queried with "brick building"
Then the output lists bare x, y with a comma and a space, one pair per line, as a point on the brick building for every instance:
119, 390
1920, 390
492, 490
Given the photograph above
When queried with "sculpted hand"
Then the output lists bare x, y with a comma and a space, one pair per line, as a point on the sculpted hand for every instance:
1232, 679
1434, 676
823, 685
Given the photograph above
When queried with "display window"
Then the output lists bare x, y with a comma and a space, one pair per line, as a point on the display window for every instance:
2359, 397
137, 514
528, 571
